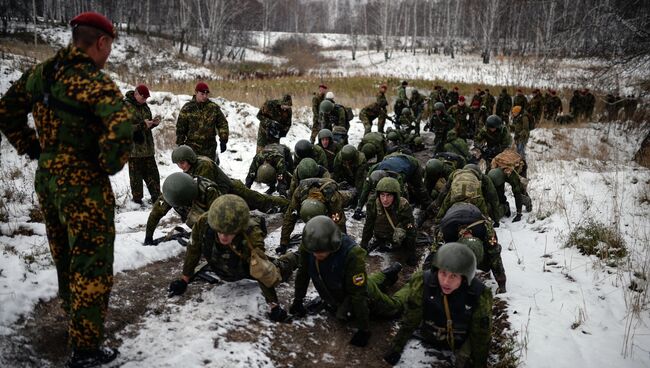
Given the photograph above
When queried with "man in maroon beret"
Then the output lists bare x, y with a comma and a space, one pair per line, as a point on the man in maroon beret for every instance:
315, 109
83, 135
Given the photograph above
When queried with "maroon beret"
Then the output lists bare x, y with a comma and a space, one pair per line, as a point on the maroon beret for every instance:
202, 87
143, 90
461, 99
322, 86
94, 20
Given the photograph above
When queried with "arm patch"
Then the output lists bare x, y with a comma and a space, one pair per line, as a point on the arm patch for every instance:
359, 279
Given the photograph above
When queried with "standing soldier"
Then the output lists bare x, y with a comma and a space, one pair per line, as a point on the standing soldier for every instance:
520, 126
504, 105
462, 116
84, 135
452, 97
589, 102
520, 99
142, 164
440, 123
553, 106
269, 167
275, 121
535, 107
575, 105
382, 101
417, 106
199, 122
401, 102
493, 138
315, 109
331, 148
376, 110
489, 101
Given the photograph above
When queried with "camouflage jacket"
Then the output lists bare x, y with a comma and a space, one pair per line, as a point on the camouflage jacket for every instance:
500, 139
489, 101
520, 126
456, 145
206, 168
354, 172
269, 156
504, 105
373, 111
401, 96
553, 105
476, 344
198, 125
334, 118
230, 263
376, 139
377, 224
272, 110
322, 173
381, 99
143, 145
520, 100
441, 124
330, 153
315, 105
90, 133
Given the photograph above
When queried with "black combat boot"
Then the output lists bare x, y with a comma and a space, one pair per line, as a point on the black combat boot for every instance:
392, 274
87, 359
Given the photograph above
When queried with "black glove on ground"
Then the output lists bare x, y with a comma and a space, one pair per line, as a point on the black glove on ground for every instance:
358, 214
177, 287
392, 358
298, 309
278, 314
360, 338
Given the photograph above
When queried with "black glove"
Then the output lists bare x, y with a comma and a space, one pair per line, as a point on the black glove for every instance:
249, 180
177, 287
222, 146
392, 358
298, 309
517, 218
148, 240
360, 338
281, 249
278, 314
358, 214
495, 224
34, 151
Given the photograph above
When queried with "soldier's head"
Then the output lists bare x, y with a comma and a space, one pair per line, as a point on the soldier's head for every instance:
406, 112
141, 93
451, 135
520, 92
348, 153
228, 216
383, 88
493, 122
461, 100
266, 174
326, 106
454, 261
184, 157
553, 92
307, 168
497, 176
94, 34
201, 92
439, 107
321, 237
322, 89
286, 102
504, 91
516, 110
375, 176
180, 190
329, 96
405, 83
392, 137
434, 168
325, 138
304, 149
369, 150
310, 208
388, 190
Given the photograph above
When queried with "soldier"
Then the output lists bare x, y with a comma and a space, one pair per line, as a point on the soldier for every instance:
269, 167
331, 148
575, 105
463, 116
304, 149
440, 123
435, 177
452, 97
416, 105
534, 109
493, 138
337, 267
373, 145
456, 145
401, 102
509, 168
389, 222
520, 124
589, 102
553, 106
275, 121
520, 99
316, 110
381, 95
504, 105
84, 135
199, 122
350, 166
142, 164
376, 110
307, 168
332, 115
407, 121
489, 101
187, 160
230, 240
451, 308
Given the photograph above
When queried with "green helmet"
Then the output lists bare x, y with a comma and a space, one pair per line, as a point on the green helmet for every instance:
179, 190
434, 167
456, 258
418, 141
493, 121
475, 245
307, 168
475, 168
228, 214
451, 135
325, 133
389, 185
377, 175
348, 152
304, 148
321, 235
497, 176
369, 150
406, 111
439, 106
326, 106
310, 208
266, 174
392, 136
183, 153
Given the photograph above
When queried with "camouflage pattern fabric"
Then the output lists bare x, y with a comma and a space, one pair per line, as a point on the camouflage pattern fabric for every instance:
198, 125
376, 139
552, 108
353, 172
498, 140
440, 125
269, 155
489, 101
271, 110
323, 173
378, 226
535, 108
462, 116
78, 153
370, 113
144, 169
315, 110
520, 126
330, 152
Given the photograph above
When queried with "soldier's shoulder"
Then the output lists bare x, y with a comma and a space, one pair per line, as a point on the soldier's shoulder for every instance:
404, 203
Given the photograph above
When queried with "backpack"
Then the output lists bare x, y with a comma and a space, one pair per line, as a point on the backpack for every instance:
464, 185
349, 115
509, 161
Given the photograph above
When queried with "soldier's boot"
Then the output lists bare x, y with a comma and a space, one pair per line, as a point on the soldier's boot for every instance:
86, 359
391, 275
506, 209
528, 203
501, 283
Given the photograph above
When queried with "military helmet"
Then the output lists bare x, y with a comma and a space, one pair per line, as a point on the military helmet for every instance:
304, 148
183, 153
493, 121
179, 190
451, 135
475, 168
369, 150
310, 208
475, 245
389, 185
286, 100
406, 111
307, 168
392, 136
377, 175
266, 174
456, 258
434, 167
418, 141
325, 133
321, 234
497, 176
229, 214
439, 106
348, 152
326, 106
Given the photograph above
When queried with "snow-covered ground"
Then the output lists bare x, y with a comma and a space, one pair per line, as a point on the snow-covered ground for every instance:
568, 309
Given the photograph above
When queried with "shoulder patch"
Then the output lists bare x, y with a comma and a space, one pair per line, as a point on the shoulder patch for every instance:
359, 279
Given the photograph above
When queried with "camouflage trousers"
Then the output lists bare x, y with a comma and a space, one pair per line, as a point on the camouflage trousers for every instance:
257, 200
78, 208
144, 169
380, 304
315, 128
367, 124
263, 139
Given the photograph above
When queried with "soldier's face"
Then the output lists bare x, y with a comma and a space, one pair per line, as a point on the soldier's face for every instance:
449, 281
202, 96
138, 97
325, 142
225, 239
321, 256
386, 199
322, 90
184, 165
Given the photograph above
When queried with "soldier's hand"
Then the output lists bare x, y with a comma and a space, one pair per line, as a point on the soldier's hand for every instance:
517, 218
298, 309
281, 249
223, 146
392, 358
177, 287
360, 338
358, 214
148, 240
278, 314
34, 151
398, 235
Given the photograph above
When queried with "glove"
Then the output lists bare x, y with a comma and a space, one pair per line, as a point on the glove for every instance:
392, 358
222, 146
148, 240
281, 249
398, 235
517, 218
278, 314
34, 151
495, 224
177, 287
298, 309
360, 338
358, 214
249, 180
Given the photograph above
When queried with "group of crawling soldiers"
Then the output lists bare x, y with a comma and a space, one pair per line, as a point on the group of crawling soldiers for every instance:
318, 181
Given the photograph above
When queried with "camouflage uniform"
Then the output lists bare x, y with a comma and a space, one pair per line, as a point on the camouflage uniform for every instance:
315, 109
440, 125
535, 107
198, 125
452, 98
272, 111
489, 101
142, 164
370, 113
576, 105
342, 282
462, 116
417, 106
518, 191
520, 126
401, 102
273, 156
319, 156
470, 308
553, 107
330, 152
495, 142
353, 172
504, 105
378, 141
486, 202
323, 173
334, 118
456, 145
84, 135
378, 226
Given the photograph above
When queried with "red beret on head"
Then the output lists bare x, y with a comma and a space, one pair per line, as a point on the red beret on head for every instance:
553, 92
202, 87
455, 88
461, 99
94, 20
384, 86
143, 90
322, 86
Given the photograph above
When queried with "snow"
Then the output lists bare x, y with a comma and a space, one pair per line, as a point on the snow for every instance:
576, 174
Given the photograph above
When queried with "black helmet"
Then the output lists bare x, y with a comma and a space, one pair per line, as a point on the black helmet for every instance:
493, 121
321, 235
180, 189
304, 148
439, 106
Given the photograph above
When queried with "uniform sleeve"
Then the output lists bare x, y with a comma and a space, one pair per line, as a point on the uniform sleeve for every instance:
480, 332
517, 189
302, 275
193, 253
356, 287
256, 238
369, 224
411, 297
182, 126
290, 218
222, 125
14, 107
405, 218
159, 210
